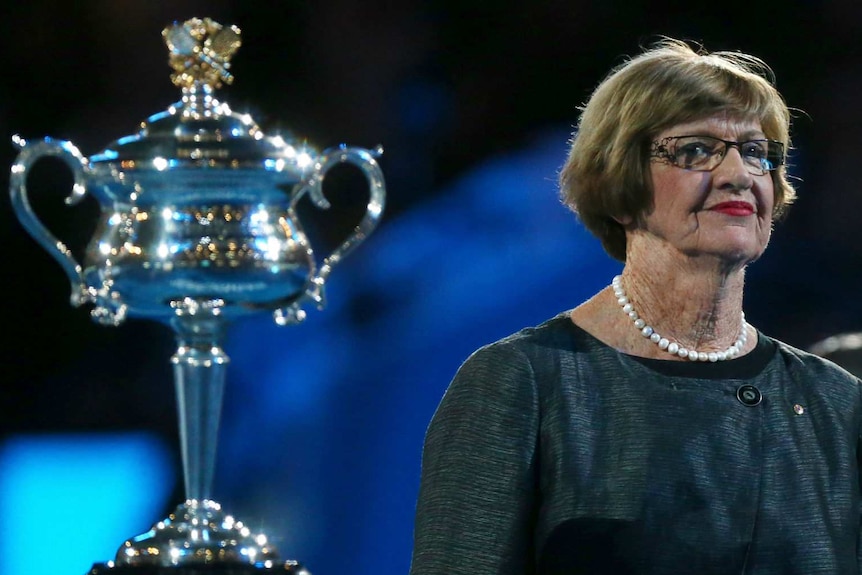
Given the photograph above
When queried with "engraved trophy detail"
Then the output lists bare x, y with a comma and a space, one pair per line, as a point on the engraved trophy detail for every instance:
198, 226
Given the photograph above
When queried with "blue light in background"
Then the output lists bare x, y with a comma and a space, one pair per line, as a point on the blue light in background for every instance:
69, 501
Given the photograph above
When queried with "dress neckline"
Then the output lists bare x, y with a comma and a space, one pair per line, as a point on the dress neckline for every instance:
744, 367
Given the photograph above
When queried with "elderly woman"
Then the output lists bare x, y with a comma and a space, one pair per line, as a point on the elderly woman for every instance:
652, 429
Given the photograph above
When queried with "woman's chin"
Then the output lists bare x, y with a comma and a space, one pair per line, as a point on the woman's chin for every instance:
728, 253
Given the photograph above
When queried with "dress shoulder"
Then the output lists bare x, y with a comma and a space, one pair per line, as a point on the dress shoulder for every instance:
799, 359
477, 498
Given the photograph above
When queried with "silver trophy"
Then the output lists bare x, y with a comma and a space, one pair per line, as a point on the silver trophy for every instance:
198, 226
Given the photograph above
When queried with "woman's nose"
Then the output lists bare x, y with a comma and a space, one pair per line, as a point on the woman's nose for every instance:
732, 171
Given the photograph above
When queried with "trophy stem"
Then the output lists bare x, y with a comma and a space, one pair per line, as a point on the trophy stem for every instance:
200, 369
198, 532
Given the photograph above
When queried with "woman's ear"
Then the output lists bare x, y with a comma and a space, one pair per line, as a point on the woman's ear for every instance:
624, 221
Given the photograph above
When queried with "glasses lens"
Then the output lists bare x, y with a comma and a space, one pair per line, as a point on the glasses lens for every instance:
696, 152
764, 155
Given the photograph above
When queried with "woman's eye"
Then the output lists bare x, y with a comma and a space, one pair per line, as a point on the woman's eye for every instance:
754, 150
693, 153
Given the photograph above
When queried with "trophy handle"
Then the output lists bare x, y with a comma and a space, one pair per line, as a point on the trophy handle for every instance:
366, 161
28, 155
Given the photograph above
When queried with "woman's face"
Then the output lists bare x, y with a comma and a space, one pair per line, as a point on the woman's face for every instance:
725, 212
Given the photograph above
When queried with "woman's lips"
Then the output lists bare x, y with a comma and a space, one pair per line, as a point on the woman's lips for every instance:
733, 208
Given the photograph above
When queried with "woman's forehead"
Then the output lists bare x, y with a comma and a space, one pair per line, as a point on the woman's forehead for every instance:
722, 125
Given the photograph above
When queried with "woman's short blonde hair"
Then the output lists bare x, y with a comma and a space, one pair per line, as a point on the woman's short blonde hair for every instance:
606, 177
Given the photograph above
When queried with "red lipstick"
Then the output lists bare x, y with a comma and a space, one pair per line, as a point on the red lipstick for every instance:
733, 208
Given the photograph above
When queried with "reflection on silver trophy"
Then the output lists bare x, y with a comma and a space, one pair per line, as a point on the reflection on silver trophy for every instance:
198, 226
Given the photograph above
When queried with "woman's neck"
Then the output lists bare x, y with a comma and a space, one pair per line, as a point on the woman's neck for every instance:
696, 301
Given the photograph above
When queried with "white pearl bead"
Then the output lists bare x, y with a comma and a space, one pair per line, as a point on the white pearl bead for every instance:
673, 347
646, 331
701, 356
712, 356
655, 338
633, 314
622, 300
627, 308
663, 343
683, 353
639, 323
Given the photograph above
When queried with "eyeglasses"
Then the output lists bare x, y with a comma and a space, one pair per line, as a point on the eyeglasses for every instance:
705, 153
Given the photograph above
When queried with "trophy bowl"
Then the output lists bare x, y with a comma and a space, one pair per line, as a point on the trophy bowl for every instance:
198, 225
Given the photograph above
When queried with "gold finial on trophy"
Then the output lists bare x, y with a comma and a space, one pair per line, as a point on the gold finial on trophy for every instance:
200, 52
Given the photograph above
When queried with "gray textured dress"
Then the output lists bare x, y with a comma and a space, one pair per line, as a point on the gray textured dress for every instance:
554, 453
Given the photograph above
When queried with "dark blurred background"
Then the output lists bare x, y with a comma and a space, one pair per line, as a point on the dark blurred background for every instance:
474, 102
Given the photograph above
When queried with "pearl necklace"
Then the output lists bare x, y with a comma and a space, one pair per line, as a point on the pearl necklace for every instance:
673, 347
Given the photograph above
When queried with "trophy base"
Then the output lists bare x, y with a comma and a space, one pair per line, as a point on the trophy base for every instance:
287, 568
198, 538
